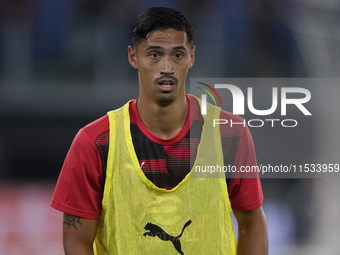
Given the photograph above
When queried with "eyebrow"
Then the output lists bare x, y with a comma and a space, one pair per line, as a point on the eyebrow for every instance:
153, 48
158, 48
180, 48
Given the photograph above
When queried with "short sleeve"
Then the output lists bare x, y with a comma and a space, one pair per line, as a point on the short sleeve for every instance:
79, 190
245, 191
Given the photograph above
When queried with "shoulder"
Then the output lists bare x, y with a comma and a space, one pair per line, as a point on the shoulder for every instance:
231, 117
96, 128
231, 124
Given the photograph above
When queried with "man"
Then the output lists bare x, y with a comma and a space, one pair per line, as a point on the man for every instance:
125, 185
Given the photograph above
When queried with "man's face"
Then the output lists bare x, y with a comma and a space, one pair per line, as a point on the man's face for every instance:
163, 60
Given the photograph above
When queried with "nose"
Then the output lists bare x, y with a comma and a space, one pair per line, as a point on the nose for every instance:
167, 67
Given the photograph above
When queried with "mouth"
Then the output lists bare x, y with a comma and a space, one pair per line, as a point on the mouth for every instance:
166, 85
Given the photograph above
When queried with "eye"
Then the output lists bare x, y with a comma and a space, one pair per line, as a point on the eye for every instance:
154, 54
178, 55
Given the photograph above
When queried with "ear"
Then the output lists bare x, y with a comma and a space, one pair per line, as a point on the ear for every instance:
192, 55
132, 54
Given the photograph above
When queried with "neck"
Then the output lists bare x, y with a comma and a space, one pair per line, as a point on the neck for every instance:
164, 121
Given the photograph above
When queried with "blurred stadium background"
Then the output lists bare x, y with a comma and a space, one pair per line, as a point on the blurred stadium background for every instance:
64, 63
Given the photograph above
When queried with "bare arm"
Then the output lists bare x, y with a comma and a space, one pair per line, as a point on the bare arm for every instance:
252, 232
78, 235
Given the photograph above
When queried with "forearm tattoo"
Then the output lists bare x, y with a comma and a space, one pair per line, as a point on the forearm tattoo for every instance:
71, 220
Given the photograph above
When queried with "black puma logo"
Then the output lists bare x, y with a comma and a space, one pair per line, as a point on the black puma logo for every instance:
157, 231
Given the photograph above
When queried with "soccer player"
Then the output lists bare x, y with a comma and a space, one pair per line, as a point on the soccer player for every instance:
125, 186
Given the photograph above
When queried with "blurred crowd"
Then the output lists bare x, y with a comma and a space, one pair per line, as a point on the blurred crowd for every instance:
87, 39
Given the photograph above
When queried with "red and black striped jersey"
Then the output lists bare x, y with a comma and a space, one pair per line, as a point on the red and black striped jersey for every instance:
164, 162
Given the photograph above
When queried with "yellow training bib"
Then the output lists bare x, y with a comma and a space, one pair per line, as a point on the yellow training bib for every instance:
139, 218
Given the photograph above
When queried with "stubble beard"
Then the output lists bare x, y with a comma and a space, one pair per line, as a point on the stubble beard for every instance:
165, 98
